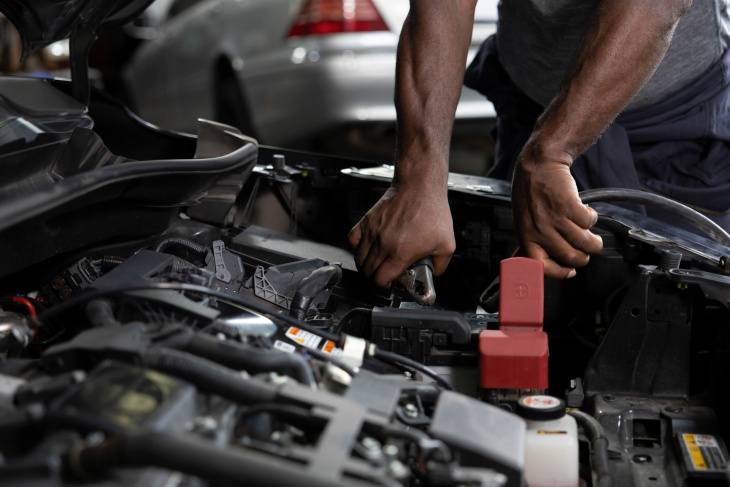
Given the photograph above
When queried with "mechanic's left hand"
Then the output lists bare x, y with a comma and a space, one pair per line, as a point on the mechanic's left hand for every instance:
551, 222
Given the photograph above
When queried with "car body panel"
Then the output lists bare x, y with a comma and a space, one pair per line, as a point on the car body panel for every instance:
296, 87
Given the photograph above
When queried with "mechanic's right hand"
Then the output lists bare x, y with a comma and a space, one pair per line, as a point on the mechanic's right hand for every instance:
410, 221
551, 222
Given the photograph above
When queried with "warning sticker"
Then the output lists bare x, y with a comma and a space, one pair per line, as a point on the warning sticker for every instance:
302, 337
284, 347
704, 453
540, 402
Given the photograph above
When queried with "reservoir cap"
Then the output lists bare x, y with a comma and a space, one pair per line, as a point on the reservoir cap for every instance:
541, 408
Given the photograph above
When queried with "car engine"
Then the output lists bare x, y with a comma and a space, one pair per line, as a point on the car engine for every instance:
182, 310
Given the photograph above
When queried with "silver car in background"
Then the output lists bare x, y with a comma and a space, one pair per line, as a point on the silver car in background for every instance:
281, 70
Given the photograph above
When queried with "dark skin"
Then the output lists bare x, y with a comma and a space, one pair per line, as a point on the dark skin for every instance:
623, 47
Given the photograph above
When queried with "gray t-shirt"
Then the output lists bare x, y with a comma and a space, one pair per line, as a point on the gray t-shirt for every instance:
537, 40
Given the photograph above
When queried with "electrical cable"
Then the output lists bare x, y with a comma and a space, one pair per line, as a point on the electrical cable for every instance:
27, 304
162, 245
174, 286
319, 355
399, 360
694, 217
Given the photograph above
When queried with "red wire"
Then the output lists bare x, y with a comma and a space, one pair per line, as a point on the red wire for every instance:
26, 303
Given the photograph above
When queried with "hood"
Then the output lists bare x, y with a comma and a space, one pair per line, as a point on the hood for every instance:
43, 22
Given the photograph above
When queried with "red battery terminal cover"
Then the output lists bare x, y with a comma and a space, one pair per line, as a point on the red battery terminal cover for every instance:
516, 355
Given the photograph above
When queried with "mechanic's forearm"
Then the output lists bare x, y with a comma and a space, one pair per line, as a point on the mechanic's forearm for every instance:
432, 55
623, 47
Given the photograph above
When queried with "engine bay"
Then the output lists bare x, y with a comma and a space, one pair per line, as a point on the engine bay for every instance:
184, 311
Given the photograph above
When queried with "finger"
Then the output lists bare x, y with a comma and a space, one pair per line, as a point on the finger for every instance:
582, 215
372, 260
560, 250
362, 250
354, 236
579, 238
553, 270
441, 259
388, 271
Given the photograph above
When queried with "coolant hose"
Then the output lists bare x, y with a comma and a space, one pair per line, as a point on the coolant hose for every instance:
326, 277
253, 360
599, 447
209, 376
162, 245
199, 458
700, 221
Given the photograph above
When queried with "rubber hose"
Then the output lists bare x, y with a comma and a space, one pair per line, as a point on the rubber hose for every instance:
202, 459
227, 329
599, 447
100, 313
209, 376
250, 359
162, 245
700, 221
326, 277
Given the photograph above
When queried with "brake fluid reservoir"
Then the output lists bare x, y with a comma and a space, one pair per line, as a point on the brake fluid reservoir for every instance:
551, 458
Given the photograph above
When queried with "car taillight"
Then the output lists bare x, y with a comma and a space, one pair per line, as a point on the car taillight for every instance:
319, 17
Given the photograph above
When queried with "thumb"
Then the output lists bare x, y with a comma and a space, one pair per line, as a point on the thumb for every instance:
355, 236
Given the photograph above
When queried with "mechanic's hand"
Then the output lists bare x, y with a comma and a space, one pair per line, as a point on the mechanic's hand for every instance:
550, 220
410, 221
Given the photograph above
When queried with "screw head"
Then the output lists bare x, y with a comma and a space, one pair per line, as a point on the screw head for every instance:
609, 397
641, 458
411, 410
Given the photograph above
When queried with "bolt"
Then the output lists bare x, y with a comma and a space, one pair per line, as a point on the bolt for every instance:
407, 374
641, 458
499, 479
411, 272
57, 283
673, 409
279, 161
206, 426
411, 410
370, 443
395, 467
65, 293
372, 448
609, 397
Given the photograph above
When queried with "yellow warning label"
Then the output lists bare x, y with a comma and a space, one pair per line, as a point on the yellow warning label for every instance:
543, 432
695, 452
328, 347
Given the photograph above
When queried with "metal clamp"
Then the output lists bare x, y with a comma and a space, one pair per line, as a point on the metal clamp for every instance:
418, 281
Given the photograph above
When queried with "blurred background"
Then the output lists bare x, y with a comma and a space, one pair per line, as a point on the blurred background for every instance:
314, 75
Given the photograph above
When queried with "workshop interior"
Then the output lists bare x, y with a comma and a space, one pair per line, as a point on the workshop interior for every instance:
184, 310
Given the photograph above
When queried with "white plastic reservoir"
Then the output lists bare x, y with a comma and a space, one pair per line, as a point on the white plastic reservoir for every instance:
551, 458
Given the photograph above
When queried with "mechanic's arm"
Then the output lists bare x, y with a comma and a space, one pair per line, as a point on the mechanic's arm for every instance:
623, 47
413, 219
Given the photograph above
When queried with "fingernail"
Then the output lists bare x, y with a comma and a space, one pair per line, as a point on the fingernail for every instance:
571, 273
